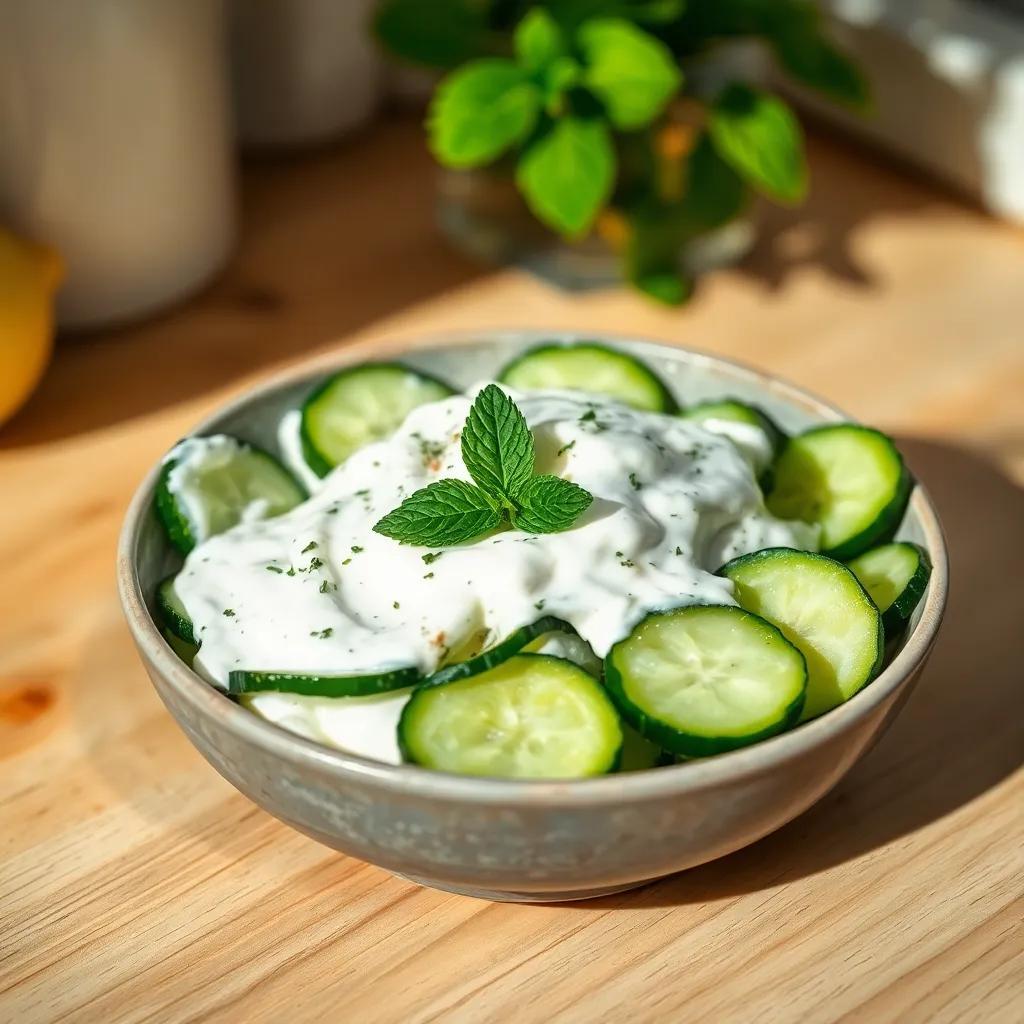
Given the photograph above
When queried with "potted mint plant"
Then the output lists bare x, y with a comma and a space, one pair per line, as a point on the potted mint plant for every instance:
611, 120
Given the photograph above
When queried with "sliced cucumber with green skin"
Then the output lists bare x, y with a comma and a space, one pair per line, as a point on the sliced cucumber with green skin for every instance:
173, 611
588, 366
360, 405
513, 644
896, 577
566, 643
705, 679
243, 681
820, 607
208, 484
734, 411
182, 648
848, 479
532, 717
639, 753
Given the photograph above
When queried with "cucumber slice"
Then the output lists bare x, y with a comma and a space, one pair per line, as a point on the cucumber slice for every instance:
361, 405
896, 577
243, 681
732, 410
588, 366
209, 484
515, 643
704, 679
532, 717
173, 611
567, 644
848, 479
821, 608
639, 753
181, 648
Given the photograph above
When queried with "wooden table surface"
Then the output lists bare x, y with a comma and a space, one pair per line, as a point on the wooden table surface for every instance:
135, 884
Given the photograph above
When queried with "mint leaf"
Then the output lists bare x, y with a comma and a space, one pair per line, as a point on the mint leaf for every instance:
443, 513
498, 450
668, 286
497, 446
571, 12
561, 74
714, 191
566, 175
480, 110
549, 504
452, 31
815, 62
538, 40
630, 71
758, 135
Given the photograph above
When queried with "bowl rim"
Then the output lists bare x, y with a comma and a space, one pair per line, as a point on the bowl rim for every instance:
672, 780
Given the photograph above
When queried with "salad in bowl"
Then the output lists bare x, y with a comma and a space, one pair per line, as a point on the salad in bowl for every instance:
568, 568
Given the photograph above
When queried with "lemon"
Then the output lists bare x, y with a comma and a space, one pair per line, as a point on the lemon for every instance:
29, 275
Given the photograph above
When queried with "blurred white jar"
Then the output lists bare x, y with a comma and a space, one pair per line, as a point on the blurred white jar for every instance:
115, 146
305, 71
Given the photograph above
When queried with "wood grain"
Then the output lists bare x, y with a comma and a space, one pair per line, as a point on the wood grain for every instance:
136, 885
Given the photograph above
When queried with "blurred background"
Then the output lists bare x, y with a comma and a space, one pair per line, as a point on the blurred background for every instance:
190, 192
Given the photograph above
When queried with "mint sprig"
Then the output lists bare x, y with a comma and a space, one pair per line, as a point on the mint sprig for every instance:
499, 453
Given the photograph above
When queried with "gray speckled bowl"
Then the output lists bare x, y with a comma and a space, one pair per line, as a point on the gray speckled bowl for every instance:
511, 840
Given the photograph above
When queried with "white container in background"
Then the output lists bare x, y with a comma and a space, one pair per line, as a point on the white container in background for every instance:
305, 71
115, 146
948, 83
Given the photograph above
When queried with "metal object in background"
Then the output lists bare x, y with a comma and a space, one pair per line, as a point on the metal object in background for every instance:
948, 81
305, 71
115, 147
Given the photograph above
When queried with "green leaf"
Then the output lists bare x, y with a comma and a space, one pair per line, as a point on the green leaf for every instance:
570, 13
567, 174
758, 135
715, 193
815, 62
655, 12
440, 514
651, 256
669, 287
497, 446
549, 504
538, 40
630, 71
435, 33
480, 111
560, 75
704, 21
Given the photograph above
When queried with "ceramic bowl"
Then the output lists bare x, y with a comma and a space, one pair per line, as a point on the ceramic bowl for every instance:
523, 840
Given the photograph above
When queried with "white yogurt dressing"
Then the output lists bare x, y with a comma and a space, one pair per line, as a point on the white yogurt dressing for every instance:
289, 439
317, 591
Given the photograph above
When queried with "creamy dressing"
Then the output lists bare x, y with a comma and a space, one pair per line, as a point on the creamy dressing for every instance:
317, 591
752, 441
289, 440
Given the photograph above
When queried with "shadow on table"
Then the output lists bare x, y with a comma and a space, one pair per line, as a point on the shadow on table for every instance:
962, 731
822, 231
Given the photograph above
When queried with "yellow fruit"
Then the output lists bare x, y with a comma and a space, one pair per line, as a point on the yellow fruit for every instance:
29, 275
